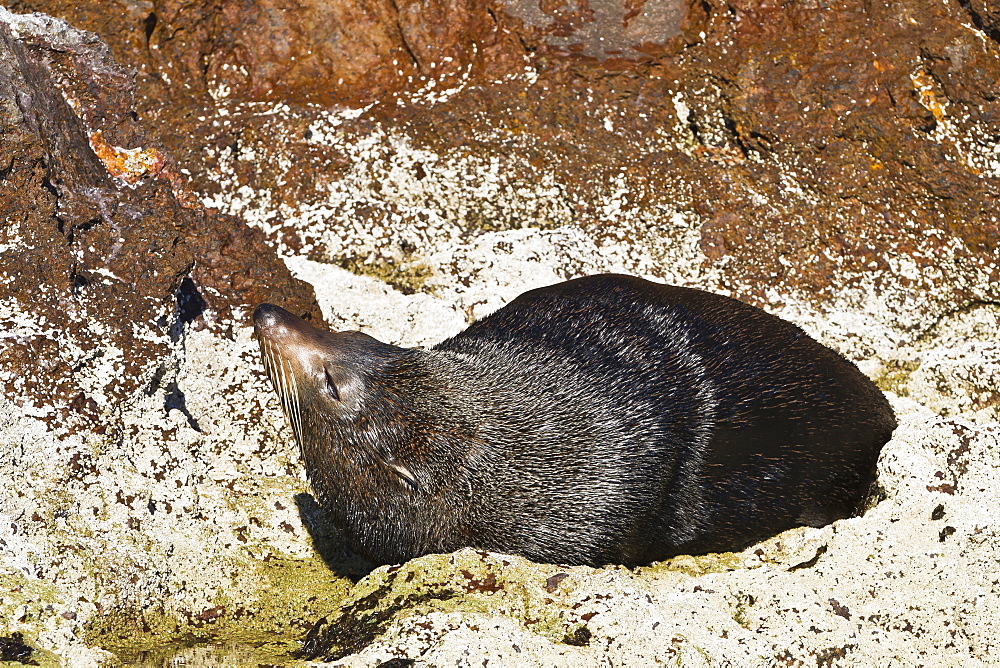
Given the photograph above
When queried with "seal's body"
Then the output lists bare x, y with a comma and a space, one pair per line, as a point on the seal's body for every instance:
606, 419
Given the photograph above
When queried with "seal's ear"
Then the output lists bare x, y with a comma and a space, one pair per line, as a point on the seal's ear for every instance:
404, 473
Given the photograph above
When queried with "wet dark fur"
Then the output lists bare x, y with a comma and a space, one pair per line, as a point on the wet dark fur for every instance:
606, 419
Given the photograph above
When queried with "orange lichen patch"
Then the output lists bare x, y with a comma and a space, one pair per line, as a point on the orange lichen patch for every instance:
934, 102
127, 164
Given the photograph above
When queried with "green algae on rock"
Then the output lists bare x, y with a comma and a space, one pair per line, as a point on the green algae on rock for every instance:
467, 581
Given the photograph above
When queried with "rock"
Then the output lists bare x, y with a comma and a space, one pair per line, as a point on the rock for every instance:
99, 253
858, 163
985, 15
312, 51
833, 163
118, 465
815, 151
610, 30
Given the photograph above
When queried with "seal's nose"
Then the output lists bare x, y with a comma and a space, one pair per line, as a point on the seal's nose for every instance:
267, 316
276, 324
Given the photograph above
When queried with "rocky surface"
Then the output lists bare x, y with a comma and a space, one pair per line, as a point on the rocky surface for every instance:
815, 147
109, 271
101, 259
311, 51
835, 162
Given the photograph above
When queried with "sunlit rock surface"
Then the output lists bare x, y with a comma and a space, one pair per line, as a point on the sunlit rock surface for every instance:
834, 164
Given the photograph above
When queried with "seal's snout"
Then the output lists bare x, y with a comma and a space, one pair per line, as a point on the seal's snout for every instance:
278, 333
267, 316
274, 322
285, 336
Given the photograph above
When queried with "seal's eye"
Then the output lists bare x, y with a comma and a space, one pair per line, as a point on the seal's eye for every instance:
331, 386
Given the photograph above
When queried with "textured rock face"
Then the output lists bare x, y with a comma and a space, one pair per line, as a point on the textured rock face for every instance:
312, 51
835, 163
609, 30
96, 246
816, 148
107, 269
69, 263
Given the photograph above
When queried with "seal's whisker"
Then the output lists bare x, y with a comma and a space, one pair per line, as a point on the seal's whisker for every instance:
286, 398
276, 371
296, 412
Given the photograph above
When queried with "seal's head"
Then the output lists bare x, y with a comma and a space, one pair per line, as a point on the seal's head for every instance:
324, 378
377, 435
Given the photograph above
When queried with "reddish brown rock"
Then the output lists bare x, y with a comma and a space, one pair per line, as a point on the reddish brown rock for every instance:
95, 245
312, 51
614, 32
881, 114
818, 145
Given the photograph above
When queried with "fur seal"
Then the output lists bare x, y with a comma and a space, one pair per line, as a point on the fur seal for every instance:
607, 419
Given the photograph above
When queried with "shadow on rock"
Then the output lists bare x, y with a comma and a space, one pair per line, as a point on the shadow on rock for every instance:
12, 648
329, 541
